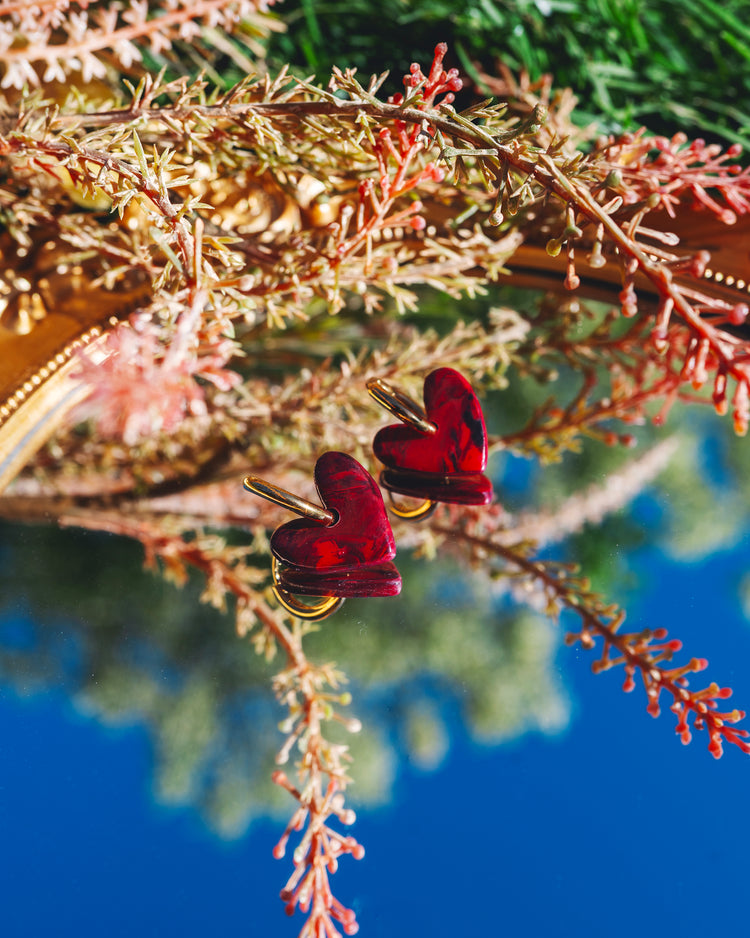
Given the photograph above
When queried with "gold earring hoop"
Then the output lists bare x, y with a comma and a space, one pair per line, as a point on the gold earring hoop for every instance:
316, 611
423, 510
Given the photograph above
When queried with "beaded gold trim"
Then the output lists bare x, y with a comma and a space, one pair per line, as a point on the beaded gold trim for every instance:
51, 367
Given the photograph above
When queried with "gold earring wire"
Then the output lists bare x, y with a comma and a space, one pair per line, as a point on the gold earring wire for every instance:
295, 503
407, 410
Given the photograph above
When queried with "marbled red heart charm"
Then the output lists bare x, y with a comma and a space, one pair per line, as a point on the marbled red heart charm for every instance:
453, 457
355, 551
459, 444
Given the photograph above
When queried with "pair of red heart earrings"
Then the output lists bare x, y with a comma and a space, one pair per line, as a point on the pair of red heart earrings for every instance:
346, 547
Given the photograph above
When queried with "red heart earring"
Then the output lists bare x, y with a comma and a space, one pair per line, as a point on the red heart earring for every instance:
441, 453
344, 548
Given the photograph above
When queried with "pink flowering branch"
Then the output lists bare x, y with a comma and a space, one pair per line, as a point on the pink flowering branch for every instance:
583, 211
395, 155
142, 388
141, 384
320, 799
646, 652
640, 384
305, 690
308, 887
679, 168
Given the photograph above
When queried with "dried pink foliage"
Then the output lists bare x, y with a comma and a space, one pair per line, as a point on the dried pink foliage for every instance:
140, 389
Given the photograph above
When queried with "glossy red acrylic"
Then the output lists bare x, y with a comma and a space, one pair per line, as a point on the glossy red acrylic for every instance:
445, 465
352, 556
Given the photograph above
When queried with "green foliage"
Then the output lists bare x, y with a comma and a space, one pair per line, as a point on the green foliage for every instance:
664, 63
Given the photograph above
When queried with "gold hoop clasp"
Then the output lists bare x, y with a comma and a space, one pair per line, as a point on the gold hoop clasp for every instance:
423, 510
316, 611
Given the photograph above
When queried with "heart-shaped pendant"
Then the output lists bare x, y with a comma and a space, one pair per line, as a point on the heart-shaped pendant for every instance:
350, 556
459, 440
442, 453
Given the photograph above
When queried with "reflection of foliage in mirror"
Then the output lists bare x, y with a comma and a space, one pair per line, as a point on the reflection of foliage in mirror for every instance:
252, 255
166, 661
498, 666
129, 648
